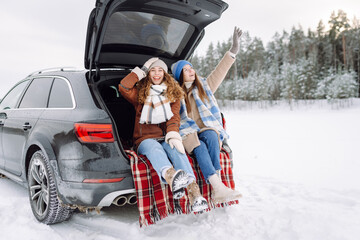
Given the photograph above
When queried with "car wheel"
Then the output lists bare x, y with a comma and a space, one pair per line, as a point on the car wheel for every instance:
43, 195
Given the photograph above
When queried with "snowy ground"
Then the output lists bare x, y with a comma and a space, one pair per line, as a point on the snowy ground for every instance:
298, 171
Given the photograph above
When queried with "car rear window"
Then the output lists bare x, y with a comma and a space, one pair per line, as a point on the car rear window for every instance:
60, 95
148, 30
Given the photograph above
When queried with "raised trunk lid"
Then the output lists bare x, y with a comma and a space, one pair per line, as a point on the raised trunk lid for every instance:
125, 33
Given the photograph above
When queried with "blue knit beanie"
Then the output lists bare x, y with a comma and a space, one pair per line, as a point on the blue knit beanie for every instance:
177, 67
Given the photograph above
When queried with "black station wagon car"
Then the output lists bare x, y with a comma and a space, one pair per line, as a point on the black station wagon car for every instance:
63, 133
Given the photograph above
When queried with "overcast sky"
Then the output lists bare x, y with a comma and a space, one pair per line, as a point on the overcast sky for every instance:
40, 34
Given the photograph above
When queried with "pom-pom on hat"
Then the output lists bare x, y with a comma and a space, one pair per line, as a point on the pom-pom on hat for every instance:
177, 67
159, 63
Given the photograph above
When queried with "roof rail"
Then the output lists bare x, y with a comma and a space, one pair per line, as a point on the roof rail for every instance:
53, 69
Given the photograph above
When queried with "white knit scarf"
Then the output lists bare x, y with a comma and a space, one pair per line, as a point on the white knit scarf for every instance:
156, 107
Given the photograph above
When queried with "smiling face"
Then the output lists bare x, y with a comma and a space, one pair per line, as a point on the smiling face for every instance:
156, 75
188, 73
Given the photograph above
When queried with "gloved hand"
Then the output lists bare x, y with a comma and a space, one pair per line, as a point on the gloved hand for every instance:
235, 46
148, 63
174, 140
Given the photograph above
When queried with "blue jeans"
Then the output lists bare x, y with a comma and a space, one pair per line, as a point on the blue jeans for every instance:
159, 155
208, 153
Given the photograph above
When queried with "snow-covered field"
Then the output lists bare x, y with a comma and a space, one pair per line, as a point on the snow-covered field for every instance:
297, 169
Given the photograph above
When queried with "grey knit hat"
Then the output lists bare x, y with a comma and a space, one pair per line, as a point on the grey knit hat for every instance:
159, 63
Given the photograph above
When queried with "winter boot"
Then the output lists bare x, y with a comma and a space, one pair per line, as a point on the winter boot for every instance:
221, 193
198, 203
177, 180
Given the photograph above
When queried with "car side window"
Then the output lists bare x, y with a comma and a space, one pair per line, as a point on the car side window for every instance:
60, 95
10, 100
36, 96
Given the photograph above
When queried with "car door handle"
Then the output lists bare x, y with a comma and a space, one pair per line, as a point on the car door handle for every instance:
26, 126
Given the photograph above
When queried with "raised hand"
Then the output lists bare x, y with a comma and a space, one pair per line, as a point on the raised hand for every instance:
235, 46
148, 63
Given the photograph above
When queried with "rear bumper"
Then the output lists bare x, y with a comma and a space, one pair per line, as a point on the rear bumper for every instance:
90, 194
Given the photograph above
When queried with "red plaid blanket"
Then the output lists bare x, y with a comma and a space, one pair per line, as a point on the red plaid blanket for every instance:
154, 199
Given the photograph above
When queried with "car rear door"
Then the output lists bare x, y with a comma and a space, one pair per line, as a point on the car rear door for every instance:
125, 33
21, 121
8, 103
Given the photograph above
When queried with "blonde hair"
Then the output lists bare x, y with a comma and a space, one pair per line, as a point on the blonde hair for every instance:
173, 92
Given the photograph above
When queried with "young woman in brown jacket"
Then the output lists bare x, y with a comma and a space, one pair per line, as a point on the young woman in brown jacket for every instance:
156, 98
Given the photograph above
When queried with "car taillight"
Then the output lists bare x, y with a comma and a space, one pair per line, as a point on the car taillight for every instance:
94, 133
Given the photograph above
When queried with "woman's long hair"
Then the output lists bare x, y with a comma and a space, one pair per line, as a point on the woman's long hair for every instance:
173, 91
197, 83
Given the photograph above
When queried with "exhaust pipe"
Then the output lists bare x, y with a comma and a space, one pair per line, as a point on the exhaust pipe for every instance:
120, 201
131, 200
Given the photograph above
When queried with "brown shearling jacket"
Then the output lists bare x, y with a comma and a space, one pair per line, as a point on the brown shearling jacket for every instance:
144, 131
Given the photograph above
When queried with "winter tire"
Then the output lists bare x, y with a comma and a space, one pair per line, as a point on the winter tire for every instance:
43, 195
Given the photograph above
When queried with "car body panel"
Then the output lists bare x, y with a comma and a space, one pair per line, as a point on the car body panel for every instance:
88, 194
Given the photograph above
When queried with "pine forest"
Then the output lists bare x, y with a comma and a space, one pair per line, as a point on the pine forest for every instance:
320, 64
